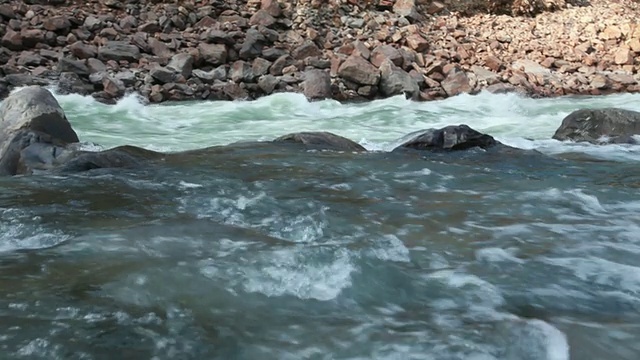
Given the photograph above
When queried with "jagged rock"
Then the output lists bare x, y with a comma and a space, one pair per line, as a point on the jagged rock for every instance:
56, 23
386, 52
75, 66
260, 66
82, 50
268, 83
241, 71
271, 7
450, 138
163, 75
407, 8
219, 73
12, 40
262, 17
317, 84
113, 87
395, 81
118, 50
158, 48
609, 125
359, 71
214, 54
307, 49
456, 82
321, 141
182, 64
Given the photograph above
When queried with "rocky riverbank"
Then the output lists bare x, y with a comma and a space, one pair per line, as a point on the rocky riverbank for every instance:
341, 49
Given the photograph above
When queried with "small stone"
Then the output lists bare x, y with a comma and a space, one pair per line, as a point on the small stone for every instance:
317, 84
417, 42
359, 71
623, 56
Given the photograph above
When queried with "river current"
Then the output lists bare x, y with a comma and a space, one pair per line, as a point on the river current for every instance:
256, 252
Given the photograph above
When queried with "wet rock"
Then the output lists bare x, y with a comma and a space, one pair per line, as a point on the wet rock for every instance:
113, 87
119, 50
359, 71
317, 84
31, 110
456, 82
609, 125
321, 141
450, 138
268, 83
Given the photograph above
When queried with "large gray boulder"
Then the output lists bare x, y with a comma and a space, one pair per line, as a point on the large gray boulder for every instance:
450, 138
609, 125
321, 141
27, 117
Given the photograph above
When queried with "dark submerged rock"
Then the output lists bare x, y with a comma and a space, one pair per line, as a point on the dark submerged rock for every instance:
450, 138
321, 140
609, 125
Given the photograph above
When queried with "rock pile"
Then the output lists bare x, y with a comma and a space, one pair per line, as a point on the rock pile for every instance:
341, 49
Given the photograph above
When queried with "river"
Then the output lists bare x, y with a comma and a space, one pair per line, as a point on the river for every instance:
263, 253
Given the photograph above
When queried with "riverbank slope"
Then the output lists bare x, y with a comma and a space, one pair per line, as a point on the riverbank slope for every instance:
341, 49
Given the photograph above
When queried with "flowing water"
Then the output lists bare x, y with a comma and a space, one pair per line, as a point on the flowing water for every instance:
262, 253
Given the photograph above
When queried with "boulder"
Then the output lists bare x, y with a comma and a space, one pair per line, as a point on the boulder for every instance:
119, 50
609, 125
317, 84
395, 81
360, 71
28, 116
321, 141
450, 138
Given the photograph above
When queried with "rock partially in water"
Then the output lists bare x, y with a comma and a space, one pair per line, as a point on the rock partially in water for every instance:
27, 117
119, 157
449, 138
321, 140
598, 126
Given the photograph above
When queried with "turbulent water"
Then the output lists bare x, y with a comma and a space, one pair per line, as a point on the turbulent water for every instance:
264, 253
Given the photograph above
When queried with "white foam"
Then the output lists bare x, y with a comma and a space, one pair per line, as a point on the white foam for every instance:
291, 274
377, 124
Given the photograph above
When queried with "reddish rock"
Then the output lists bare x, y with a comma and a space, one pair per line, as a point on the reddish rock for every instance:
158, 48
456, 82
359, 71
262, 17
407, 8
271, 7
317, 85
260, 66
56, 23
12, 40
599, 82
386, 52
417, 42
623, 56
435, 7
214, 54
307, 49
241, 71
493, 63
82, 50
